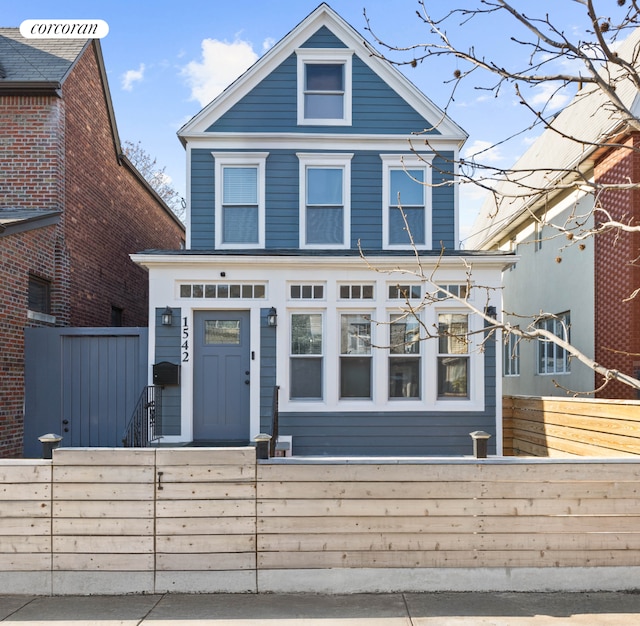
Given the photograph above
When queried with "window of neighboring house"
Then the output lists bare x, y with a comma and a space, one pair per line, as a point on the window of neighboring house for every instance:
404, 357
39, 296
325, 200
355, 356
511, 356
306, 356
239, 199
117, 316
537, 235
453, 356
406, 218
551, 358
324, 86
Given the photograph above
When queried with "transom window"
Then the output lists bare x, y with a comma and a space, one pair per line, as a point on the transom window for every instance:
223, 291
356, 292
306, 292
239, 199
453, 355
406, 218
405, 292
324, 86
553, 359
325, 200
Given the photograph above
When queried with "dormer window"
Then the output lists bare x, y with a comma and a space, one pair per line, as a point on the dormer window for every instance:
324, 86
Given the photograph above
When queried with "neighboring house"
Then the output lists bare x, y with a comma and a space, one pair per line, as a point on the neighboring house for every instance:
586, 284
72, 207
292, 171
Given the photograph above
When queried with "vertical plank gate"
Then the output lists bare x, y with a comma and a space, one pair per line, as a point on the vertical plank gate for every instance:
82, 383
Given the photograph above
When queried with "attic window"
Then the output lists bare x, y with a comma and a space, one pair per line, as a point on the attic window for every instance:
324, 86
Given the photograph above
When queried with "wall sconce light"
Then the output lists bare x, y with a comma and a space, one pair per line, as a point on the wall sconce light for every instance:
272, 318
167, 317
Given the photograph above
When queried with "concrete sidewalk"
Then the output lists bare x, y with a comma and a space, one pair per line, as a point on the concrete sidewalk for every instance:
409, 609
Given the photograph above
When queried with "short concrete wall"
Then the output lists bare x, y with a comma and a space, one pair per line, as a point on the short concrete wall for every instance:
115, 521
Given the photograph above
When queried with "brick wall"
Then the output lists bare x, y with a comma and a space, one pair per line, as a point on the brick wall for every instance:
109, 214
617, 323
20, 254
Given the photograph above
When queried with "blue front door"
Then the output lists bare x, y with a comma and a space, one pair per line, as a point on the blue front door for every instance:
221, 376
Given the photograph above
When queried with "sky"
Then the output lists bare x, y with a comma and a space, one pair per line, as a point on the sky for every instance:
166, 60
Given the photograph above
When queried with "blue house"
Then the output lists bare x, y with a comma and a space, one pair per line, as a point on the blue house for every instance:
301, 289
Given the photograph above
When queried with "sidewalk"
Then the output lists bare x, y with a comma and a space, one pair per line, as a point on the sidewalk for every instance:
409, 609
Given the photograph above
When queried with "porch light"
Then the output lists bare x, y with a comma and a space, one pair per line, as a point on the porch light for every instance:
167, 317
272, 318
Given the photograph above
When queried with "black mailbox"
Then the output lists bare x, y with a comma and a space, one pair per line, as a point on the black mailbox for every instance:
165, 373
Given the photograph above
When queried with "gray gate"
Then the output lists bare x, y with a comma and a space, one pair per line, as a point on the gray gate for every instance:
82, 383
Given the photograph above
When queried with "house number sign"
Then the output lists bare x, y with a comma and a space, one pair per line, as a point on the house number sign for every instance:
185, 341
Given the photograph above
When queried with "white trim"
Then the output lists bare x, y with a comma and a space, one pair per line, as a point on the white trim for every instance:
246, 159
325, 160
336, 56
408, 161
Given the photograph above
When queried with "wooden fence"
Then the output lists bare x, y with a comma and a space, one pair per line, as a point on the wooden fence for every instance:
570, 427
105, 521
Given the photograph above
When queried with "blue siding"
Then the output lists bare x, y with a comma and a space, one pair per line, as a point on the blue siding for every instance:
167, 348
430, 433
267, 371
282, 201
271, 106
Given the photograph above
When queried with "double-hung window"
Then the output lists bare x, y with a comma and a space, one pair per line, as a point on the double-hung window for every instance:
306, 356
552, 358
511, 355
406, 189
453, 356
325, 200
239, 199
355, 356
324, 86
404, 357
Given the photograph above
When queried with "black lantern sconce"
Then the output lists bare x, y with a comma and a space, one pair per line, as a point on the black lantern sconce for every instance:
167, 317
272, 318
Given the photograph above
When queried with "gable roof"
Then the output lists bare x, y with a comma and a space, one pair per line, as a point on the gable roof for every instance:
325, 16
35, 65
591, 118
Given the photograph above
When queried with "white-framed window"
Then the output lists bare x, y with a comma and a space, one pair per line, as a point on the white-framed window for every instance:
325, 200
404, 292
355, 356
239, 199
306, 357
355, 291
511, 355
551, 358
453, 356
404, 357
306, 291
324, 86
406, 201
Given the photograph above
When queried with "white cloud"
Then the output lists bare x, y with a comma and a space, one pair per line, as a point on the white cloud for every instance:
221, 64
132, 76
550, 97
483, 152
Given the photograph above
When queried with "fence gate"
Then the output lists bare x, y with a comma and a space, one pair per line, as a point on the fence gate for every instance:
82, 383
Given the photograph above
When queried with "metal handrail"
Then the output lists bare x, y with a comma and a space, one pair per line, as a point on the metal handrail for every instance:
274, 422
143, 426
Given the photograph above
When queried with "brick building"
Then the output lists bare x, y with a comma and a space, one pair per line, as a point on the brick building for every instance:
72, 207
585, 284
